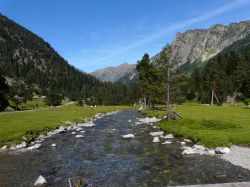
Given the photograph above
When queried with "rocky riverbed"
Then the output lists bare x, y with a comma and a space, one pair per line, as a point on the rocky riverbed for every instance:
120, 149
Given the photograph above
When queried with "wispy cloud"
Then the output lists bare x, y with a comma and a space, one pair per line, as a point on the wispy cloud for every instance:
163, 32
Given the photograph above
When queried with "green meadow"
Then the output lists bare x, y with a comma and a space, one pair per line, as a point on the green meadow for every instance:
14, 125
211, 126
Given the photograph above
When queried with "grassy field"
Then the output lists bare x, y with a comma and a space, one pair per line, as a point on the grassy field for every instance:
13, 125
210, 126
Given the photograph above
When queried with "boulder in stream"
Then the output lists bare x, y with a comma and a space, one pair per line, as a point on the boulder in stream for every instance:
36, 146
222, 150
168, 136
166, 142
22, 145
79, 136
40, 181
160, 133
128, 136
156, 139
53, 145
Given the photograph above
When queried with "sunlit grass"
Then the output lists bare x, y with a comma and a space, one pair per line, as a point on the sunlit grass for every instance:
209, 125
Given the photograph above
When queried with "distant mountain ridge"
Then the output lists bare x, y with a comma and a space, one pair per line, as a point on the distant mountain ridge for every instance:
203, 44
116, 73
199, 45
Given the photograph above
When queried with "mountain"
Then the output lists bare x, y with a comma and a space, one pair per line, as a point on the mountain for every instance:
191, 48
121, 73
30, 64
202, 44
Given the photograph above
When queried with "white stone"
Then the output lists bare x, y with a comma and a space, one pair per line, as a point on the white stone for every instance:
82, 131
73, 132
189, 151
40, 181
79, 136
166, 142
22, 145
36, 146
88, 124
199, 147
53, 145
79, 129
129, 120
188, 140
211, 151
222, 150
160, 133
156, 140
4, 147
128, 136
183, 143
169, 136
60, 130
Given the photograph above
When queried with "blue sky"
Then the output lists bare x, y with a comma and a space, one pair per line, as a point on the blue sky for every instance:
92, 34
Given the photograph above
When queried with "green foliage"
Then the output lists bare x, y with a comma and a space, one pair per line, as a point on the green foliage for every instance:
230, 73
54, 99
80, 102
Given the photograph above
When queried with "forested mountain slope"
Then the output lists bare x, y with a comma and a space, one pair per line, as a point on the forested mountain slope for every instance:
28, 59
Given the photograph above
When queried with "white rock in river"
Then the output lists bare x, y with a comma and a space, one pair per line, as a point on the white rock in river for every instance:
36, 146
183, 143
129, 120
79, 136
88, 124
199, 147
160, 133
188, 140
128, 136
189, 151
40, 181
222, 150
22, 145
73, 132
169, 136
166, 142
156, 140
82, 131
4, 147
53, 145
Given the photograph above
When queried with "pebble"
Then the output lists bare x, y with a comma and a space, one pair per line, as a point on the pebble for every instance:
128, 136
53, 145
160, 133
79, 136
166, 142
40, 181
36, 146
156, 140
169, 136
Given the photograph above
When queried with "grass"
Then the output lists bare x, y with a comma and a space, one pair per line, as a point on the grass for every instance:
14, 125
34, 104
209, 126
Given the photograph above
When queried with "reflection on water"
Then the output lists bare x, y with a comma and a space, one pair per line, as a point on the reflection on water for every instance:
106, 159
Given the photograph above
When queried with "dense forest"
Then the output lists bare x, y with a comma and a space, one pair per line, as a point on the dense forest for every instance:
222, 79
31, 66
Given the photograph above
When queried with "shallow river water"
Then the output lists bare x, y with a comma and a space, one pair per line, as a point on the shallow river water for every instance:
104, 158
